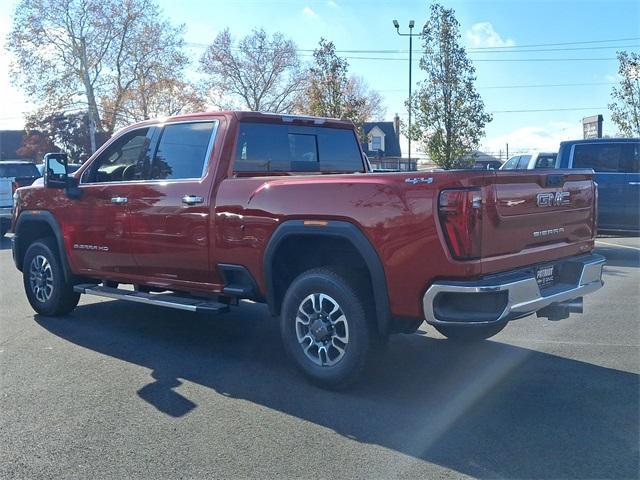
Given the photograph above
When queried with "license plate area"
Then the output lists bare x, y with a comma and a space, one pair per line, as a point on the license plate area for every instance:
546, 276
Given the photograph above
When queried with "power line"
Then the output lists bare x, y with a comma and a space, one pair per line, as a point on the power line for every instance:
488, 59
498, 48
549, 110
487, 87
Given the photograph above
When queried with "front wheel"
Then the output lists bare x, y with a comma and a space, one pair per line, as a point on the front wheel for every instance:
469, 333
325, 329
44, 282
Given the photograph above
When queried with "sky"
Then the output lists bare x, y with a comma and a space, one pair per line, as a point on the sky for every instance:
541, 65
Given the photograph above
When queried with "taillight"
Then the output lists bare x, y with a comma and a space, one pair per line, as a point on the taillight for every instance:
460, 214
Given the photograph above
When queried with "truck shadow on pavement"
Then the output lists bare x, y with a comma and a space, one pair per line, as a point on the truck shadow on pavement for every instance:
488, 410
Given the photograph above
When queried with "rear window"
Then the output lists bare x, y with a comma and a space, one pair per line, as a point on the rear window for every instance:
265, 147
546, 161
608, 157
19, 170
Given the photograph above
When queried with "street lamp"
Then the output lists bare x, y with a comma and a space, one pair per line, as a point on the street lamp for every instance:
410, 35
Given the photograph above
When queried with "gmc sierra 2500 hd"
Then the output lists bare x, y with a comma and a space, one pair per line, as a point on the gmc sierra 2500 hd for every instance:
201, 210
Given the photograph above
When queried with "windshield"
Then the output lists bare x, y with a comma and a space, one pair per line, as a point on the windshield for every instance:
13, 170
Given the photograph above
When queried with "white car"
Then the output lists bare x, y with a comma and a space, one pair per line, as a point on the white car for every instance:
531, 161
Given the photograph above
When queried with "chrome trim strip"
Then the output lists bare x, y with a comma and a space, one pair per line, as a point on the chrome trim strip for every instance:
134, 298
524, 295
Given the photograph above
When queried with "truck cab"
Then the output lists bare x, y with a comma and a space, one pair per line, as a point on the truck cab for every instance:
616, 163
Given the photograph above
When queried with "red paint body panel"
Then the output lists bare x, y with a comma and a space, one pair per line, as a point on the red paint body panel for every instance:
159, 241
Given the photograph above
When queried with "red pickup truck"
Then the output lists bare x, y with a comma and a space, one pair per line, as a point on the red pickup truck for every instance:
198, 211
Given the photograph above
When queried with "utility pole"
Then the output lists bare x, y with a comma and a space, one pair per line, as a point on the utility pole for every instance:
507, 151
410, 35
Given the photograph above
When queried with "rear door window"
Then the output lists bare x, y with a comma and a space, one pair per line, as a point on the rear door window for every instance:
266, 147
603, 157
183, 150
523, 163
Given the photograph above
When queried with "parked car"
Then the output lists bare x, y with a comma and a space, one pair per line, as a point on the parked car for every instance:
23, 172
201, 210
616, 162
13, 174
6, 204
531, 161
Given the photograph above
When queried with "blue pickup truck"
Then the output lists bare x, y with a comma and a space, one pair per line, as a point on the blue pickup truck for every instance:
616, 162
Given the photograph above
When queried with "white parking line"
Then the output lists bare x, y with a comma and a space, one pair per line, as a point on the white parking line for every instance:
616, 245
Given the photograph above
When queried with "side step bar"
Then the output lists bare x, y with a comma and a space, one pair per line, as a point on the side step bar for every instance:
190, 304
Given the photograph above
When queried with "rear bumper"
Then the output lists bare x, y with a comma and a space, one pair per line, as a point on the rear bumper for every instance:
510, 295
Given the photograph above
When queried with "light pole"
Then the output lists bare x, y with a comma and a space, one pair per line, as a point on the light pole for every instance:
410, 35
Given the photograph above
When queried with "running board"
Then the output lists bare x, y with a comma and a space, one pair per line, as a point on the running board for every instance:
190, 304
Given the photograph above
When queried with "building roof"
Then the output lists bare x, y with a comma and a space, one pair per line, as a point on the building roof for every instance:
391, 142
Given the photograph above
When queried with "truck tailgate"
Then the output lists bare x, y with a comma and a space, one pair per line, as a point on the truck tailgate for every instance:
538, 210
6, 192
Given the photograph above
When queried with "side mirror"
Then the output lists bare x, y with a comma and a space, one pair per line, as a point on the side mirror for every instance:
55, 170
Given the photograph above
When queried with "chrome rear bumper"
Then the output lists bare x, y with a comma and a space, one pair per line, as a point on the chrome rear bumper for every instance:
509, 295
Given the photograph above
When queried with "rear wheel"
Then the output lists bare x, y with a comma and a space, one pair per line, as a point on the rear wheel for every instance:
469, 333
44, 282
325, 329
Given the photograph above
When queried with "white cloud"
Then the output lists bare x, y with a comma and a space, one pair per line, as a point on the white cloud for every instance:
309, 12
482, 34
332, 4
534, 138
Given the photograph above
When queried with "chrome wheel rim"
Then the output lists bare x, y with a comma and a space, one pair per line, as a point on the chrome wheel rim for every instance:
41, 278
322, 329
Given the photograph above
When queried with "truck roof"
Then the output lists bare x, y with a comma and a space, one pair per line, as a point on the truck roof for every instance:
256, 117
600, 140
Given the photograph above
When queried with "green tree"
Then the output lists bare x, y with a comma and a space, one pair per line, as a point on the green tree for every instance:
449, 114
331, 92
68, 132
625, 108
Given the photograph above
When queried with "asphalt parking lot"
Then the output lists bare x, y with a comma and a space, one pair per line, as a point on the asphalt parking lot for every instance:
119, 390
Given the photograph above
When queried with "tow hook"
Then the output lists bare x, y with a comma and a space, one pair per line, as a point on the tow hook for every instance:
560, 311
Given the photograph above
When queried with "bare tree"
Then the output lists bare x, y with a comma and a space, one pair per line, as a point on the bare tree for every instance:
92, 55
260, 72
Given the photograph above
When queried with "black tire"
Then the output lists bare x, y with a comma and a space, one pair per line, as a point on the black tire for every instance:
470, 333
51, 295
361, 332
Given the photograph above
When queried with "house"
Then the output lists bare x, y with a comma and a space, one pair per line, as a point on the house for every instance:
382, 146
383, 139
10, 142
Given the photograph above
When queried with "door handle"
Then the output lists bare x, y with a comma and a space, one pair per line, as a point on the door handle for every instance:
634, 183
192, 199
119, 200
